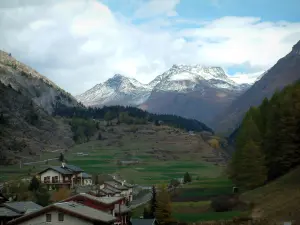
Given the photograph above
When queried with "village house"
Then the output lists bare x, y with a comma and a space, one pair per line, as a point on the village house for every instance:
13, 210
64, 176
124, 188
112, 205
67, 213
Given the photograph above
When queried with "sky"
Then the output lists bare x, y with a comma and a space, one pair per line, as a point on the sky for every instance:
80, 43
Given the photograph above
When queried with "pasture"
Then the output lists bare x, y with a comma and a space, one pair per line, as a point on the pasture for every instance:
163, 153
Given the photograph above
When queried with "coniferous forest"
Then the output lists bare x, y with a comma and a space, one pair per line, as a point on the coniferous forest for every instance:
268, 140
139, 116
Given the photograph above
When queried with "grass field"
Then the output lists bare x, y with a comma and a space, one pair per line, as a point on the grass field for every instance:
279, 199
191, 203
165, 154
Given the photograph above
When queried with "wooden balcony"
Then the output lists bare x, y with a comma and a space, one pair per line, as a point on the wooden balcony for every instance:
56, 181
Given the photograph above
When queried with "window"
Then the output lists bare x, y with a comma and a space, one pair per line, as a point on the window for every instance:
48, 217
60, 217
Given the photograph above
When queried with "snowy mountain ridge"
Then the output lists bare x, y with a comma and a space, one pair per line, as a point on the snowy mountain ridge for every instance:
179, 78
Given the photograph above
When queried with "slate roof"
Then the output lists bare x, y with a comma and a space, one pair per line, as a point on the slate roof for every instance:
143, 221
106, 191
86, 211
114, 190
74, 209
86, 175
116, 185
5, 212
123, 209
58, 169
73, 168
21, 207
103, 200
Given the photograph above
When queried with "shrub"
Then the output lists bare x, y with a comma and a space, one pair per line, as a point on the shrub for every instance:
222, 204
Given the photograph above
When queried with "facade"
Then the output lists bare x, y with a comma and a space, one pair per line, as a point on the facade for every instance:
67, 213
112, 205
64, 176
13, 210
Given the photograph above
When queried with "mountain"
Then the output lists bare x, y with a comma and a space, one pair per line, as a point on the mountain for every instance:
192, 91
118, 90
27, 101
30, 83
286, 71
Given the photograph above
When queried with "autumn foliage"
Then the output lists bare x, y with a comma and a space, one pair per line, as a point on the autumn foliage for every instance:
61, 194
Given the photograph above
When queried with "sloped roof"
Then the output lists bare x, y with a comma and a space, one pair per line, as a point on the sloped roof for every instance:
143, 221
72, 208
116, 185
114, 190
73, 168
86, 211
122, 208
22, 207
6, 212
58, 169
86, 175
103, 200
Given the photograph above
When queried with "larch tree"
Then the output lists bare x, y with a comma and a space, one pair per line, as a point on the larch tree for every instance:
163, 211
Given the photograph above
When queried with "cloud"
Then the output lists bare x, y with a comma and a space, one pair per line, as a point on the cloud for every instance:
78, 44
248, 78
154, 8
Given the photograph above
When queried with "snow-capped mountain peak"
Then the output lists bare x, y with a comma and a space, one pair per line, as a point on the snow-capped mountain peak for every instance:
184, 78
179, 78
115, 89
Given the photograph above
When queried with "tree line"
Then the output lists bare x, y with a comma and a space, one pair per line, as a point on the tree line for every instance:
268, 140
129, 115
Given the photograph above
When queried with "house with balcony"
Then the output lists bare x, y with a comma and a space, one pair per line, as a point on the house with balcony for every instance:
112, 205
64, 176
67, 213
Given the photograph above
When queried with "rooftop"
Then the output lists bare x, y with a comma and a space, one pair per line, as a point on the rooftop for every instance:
58, 169
86, 175
116, 185
103, 200
122, 208
86, 211
22, 207
73, 168
5, 212
73, 208
143, 221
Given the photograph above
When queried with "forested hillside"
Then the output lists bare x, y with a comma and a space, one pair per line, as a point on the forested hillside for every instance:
268, 141
130, 115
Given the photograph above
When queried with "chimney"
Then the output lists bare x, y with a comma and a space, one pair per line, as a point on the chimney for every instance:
63, 165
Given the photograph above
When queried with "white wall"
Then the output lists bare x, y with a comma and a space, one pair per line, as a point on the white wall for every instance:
68, 220
88, 182
51, 173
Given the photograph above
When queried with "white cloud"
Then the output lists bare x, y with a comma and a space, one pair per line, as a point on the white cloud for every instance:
248, 78
80, 43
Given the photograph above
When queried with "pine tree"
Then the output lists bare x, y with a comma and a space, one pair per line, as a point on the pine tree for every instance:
61, 157
34, 184
163, 211
187, 178
153, 202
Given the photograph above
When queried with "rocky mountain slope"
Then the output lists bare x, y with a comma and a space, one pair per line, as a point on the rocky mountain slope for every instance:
284, 72
30, 83
191, 91
26, 103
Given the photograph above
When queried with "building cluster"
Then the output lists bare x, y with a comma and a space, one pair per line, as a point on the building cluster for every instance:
105, 205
